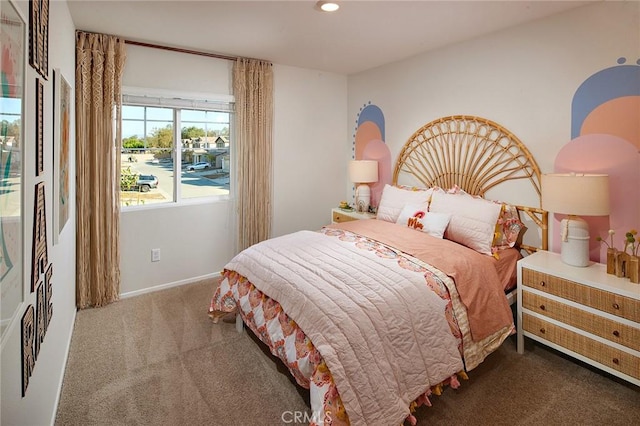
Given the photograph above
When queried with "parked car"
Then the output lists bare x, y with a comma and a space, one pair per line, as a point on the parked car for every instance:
147, 182
199, 166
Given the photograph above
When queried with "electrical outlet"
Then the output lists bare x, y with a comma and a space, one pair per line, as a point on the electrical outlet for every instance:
155, 255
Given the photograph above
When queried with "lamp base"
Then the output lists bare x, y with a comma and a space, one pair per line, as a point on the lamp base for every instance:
363, 198
574, 249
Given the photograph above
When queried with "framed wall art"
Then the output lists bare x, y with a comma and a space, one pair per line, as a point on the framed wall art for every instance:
39, 252
39, 127
13, 53
28, 353
62, 99
39, 36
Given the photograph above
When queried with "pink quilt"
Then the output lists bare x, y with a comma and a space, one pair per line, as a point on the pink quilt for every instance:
267, 318
474, 274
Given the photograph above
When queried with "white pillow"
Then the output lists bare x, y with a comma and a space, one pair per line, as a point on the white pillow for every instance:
411, 210
435, 224
416, 216
473, 220
394, 199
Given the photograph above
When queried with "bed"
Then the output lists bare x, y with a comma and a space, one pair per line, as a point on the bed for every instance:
375, 316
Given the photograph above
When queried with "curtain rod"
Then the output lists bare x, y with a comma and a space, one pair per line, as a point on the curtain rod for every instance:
179, 49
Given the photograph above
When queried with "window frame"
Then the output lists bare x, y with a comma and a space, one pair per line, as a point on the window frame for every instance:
177, 101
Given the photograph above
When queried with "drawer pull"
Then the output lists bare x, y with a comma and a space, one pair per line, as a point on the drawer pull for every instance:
542, 284
542, 307
616, 306
616, 333
542, 330
616, 361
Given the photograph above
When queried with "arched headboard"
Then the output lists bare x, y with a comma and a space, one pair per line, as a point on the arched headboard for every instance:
475, 154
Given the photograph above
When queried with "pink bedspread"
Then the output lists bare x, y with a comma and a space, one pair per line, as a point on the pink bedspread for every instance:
474, 274
381, 331
308, 368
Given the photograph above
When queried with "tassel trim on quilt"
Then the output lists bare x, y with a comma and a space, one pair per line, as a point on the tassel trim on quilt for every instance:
423, 399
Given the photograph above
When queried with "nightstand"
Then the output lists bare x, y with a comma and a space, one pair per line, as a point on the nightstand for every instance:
338, 215
583, 312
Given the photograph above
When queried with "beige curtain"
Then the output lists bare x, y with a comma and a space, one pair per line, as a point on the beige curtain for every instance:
99, 65
253, 92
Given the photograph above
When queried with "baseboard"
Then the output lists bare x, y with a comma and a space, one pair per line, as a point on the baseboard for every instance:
167, 285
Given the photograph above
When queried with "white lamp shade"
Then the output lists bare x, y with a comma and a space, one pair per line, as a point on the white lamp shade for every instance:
363, 171
576, 194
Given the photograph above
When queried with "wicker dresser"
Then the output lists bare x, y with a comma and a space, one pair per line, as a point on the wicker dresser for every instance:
583, 312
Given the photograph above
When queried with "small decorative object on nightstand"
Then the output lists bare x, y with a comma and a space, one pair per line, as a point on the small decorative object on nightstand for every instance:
612, 259
584, 312
621, 263
339, 215
621, 266
632, 266
633, 269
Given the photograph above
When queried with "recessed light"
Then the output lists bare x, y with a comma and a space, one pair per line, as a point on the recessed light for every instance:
328, 6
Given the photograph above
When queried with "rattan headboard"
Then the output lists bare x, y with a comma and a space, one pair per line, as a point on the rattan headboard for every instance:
474, 153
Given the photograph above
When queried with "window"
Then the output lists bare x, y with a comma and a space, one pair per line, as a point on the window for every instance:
205, 147
173, 150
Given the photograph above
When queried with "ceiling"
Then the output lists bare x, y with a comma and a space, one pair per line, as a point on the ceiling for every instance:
361, 35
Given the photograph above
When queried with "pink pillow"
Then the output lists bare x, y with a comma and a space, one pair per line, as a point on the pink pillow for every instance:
473, 219
508, 226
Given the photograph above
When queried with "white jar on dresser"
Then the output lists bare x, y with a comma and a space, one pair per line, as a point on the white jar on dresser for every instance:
584, 312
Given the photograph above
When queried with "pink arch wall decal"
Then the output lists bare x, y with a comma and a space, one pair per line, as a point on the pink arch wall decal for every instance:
369, 144
606, 139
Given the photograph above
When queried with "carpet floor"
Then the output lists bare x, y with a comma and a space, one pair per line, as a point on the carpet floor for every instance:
157, 359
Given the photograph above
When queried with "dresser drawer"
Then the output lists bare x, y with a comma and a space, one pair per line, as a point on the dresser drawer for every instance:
339, 217
611, 357
605, 301
594, 324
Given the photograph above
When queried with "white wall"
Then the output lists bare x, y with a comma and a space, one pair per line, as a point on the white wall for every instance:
523, 78
310, 146
38, 407
197, 240
164, 69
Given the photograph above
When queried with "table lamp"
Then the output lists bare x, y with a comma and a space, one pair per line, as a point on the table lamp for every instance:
363, 172
575, 195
